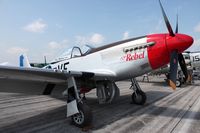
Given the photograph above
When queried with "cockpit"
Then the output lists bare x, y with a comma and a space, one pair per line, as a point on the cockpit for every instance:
73, 53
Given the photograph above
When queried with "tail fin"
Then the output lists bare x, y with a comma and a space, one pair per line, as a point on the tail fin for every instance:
23, 61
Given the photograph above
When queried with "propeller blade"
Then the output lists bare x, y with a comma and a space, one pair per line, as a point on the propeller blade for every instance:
183, 66
171, 33
173, 69
176, 31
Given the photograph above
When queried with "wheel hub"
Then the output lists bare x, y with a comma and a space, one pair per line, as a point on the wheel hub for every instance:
178, 83
79, 118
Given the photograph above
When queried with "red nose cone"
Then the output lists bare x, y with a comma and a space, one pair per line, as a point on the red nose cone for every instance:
179, 42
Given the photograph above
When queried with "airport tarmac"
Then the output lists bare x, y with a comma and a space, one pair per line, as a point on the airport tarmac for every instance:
165, 111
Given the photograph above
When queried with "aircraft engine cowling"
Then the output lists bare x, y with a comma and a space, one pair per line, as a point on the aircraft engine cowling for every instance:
107, 92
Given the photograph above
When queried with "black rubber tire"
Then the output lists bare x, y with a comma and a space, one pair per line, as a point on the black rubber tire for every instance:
84, 117
178, 83
141, 98
117, 94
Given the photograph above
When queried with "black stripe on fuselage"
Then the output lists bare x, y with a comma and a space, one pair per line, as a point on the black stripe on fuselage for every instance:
113, 44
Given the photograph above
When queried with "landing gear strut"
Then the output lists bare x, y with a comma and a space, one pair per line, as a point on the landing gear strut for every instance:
80, 113
138, 96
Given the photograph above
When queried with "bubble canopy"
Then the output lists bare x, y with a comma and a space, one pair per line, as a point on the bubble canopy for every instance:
73, 52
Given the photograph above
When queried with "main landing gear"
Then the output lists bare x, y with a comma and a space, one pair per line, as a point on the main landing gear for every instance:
138, 96
80, 113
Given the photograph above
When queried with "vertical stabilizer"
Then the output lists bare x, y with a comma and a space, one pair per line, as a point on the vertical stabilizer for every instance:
23, 61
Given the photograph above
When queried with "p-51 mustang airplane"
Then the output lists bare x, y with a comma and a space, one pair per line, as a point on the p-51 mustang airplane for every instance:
101, 67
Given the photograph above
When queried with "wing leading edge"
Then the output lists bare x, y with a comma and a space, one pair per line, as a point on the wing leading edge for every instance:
47, 75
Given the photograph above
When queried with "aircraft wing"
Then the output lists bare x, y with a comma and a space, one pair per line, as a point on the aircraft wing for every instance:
46, 75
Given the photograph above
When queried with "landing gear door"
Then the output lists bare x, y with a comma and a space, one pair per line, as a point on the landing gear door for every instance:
72, 108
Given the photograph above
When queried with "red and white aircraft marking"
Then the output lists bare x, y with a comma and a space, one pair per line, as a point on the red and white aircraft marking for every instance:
101, 67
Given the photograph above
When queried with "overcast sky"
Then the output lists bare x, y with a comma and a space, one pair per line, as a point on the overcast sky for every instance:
49, 27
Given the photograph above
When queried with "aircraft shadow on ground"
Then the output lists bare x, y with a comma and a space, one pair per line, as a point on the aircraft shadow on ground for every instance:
156, 83
103, 115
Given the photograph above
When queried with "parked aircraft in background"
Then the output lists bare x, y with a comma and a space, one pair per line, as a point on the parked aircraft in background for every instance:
99, 68
180, 79
192, 58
